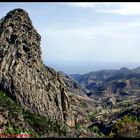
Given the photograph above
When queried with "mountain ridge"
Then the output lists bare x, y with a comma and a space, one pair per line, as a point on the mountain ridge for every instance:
100, 80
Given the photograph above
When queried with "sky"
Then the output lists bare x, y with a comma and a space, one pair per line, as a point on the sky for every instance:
85, 36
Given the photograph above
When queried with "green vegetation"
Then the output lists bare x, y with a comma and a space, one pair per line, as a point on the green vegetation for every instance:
91, 116
94, 129
7, 103
32, 123
15, 130
43, 125
128, 126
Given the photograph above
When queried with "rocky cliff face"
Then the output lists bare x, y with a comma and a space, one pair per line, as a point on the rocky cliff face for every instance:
72, 85
22, 73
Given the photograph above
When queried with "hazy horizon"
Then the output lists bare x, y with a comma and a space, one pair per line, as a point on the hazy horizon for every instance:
85, 36
73, 67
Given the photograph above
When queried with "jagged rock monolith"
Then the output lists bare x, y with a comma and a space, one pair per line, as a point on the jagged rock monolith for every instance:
22, 73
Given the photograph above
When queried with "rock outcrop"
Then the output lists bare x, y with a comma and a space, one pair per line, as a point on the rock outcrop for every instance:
23, 75
72, 86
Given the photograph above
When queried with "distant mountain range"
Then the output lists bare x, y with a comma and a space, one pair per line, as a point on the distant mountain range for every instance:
98, 81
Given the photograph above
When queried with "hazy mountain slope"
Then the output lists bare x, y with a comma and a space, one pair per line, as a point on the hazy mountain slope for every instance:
101, 80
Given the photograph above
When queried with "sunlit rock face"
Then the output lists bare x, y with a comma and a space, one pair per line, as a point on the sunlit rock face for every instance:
22, 73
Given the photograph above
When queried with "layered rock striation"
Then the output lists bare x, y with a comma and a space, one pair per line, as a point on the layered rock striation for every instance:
23, 75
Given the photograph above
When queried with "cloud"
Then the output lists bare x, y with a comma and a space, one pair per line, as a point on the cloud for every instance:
132, 8
89, 4
82, 4
121, 8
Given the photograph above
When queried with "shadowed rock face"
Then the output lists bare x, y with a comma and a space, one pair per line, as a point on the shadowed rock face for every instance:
22, 73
